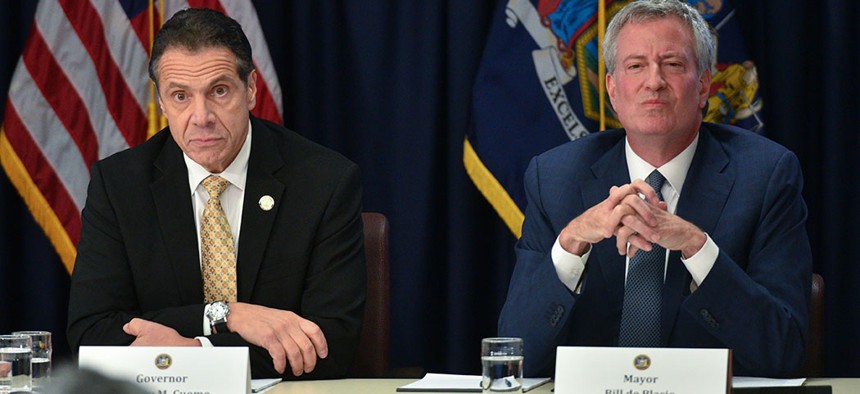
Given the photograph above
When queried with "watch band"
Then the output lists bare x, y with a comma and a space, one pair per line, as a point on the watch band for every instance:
220, 327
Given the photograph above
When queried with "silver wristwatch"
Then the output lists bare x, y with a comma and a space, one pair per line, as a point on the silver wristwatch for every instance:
217, 313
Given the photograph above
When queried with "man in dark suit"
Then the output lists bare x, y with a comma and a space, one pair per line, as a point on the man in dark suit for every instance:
287, 278
726, 221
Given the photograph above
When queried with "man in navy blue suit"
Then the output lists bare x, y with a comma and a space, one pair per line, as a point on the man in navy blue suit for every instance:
737, 262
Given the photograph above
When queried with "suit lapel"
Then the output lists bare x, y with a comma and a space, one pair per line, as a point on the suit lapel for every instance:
708, 184
702, 200
610, 170
257, 222
175, 212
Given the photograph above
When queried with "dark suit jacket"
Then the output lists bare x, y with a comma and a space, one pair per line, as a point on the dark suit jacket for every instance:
138, 255
742, 189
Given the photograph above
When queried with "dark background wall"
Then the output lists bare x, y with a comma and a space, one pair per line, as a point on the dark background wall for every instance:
388, 84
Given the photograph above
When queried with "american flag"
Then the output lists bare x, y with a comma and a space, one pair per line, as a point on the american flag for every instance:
81, 92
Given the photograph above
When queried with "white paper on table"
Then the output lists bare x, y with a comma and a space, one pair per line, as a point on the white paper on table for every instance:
751, 381
459, 383
261, 385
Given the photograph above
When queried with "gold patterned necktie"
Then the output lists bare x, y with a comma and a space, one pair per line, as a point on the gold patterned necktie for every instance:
218, 259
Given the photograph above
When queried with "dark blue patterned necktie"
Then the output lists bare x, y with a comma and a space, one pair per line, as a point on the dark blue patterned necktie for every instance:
643, 292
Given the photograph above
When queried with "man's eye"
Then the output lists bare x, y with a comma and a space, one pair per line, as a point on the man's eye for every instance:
220, 91
179, 96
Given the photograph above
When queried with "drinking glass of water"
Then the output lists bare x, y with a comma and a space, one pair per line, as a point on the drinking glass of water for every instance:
502, 360
15, 354
41, 361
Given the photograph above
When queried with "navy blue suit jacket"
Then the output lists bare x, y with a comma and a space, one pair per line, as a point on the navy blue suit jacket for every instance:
742, 189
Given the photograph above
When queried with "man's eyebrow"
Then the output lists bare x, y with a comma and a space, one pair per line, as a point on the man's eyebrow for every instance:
632, 57
664, 56
219, 79
672, 54
215, 81
173, 85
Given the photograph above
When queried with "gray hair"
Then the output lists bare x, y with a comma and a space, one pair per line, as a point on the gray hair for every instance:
649, 10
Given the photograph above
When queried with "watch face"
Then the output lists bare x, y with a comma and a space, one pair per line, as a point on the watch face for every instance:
217, 310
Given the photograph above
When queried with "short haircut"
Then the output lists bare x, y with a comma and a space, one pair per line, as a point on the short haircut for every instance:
649, 10
194, 29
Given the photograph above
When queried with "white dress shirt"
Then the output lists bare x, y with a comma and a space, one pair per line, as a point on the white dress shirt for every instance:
571, 267
232, 200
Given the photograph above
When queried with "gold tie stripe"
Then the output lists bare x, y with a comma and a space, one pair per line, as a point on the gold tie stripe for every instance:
219, 260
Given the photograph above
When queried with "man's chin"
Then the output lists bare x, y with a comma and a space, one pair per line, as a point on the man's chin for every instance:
652, 128
213, 163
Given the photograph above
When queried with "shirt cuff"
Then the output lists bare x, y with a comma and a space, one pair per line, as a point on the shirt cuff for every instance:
700, 264
568, 266
207, 326
207, 330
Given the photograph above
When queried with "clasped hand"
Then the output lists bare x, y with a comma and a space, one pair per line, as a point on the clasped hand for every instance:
632, 220
285, 335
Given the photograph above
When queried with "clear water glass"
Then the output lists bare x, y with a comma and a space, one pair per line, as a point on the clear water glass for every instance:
15, 363
41, 359
502, 362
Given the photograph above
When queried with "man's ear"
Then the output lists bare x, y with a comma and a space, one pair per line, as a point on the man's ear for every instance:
704, 88
252, 89
610, 89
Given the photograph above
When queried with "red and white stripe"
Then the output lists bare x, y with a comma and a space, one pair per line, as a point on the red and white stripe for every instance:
80, 93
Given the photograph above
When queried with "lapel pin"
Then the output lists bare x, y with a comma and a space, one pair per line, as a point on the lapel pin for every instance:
266, 203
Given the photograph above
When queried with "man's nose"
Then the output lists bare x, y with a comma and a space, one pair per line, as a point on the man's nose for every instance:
201, 114
655, 79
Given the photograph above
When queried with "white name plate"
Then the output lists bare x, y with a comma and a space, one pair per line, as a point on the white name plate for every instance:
170, 370
616, 370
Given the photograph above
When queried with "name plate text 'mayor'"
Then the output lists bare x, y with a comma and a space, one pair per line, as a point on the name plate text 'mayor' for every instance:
616, 370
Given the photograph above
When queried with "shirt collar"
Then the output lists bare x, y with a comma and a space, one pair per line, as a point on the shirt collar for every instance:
236, 172
675, 171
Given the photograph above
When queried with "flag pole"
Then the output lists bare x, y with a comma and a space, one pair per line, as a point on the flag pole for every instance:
601, 67
162, 121
152, 113
156, 121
